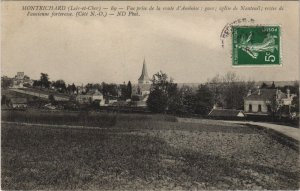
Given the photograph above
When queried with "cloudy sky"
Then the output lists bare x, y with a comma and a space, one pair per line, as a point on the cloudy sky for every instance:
185, 45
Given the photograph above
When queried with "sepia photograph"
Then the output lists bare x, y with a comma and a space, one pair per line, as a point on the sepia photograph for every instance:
150, 95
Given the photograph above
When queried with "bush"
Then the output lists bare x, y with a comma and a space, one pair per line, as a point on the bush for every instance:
157, 101
136, 98
3, 99
51, 98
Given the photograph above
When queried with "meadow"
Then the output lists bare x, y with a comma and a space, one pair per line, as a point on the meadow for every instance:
137, 151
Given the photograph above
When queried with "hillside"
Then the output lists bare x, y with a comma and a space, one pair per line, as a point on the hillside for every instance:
34, 93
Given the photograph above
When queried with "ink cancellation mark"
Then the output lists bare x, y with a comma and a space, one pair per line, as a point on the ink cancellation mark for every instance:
256, 45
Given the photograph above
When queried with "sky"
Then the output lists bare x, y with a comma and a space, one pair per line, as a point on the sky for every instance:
185, 45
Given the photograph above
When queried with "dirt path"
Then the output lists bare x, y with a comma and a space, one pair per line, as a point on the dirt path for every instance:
286, 130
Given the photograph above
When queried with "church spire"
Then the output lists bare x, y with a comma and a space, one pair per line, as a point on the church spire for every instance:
144, 78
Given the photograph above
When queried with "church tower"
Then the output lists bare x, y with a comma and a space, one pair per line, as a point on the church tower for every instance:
144, 78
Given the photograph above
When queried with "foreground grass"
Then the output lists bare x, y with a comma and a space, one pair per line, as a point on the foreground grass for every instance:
144, 152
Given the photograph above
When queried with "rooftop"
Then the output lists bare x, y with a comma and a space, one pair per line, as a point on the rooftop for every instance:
226, 113
93, 92
18, 100
265, 94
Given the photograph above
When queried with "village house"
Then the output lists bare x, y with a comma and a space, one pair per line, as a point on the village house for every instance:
90, 97
260, 102
20, 80
110, 100
17, 103
80, 89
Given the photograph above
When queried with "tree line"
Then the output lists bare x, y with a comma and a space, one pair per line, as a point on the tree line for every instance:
122, 91
223, 91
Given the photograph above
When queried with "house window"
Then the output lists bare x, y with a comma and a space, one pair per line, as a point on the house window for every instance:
259, 108
250, 107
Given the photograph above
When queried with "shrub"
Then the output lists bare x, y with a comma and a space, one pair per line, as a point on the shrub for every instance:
157, 101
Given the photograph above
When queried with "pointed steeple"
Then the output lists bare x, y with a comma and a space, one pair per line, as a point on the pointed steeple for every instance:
144, 78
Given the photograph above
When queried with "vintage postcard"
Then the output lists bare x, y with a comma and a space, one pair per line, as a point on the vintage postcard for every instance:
150, 95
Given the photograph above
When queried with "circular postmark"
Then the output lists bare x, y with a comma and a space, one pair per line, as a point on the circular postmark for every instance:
227, 30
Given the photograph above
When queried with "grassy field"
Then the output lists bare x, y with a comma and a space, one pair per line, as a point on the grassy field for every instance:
144, 152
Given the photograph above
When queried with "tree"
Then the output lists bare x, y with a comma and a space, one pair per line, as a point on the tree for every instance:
3, 99
44, 80
51, 98
88, 87
6, 82
136, 98
234, 95
36, 83
91, 86
203, 100
188, 99
73, 88
295, 88
273, 86
229, 90
161, 92
274, 106
69, 89
124, 93
263, 86
295, 104
104, 88
109, 89
129, 90
157, 101
176, 103
60, 85
216, 88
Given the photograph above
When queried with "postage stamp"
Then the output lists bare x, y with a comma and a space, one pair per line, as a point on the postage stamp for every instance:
256, 45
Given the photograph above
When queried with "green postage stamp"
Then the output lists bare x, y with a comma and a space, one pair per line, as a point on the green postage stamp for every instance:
256, 45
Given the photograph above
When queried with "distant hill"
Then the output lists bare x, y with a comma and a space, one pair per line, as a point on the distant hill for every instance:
258, 83
277, 83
